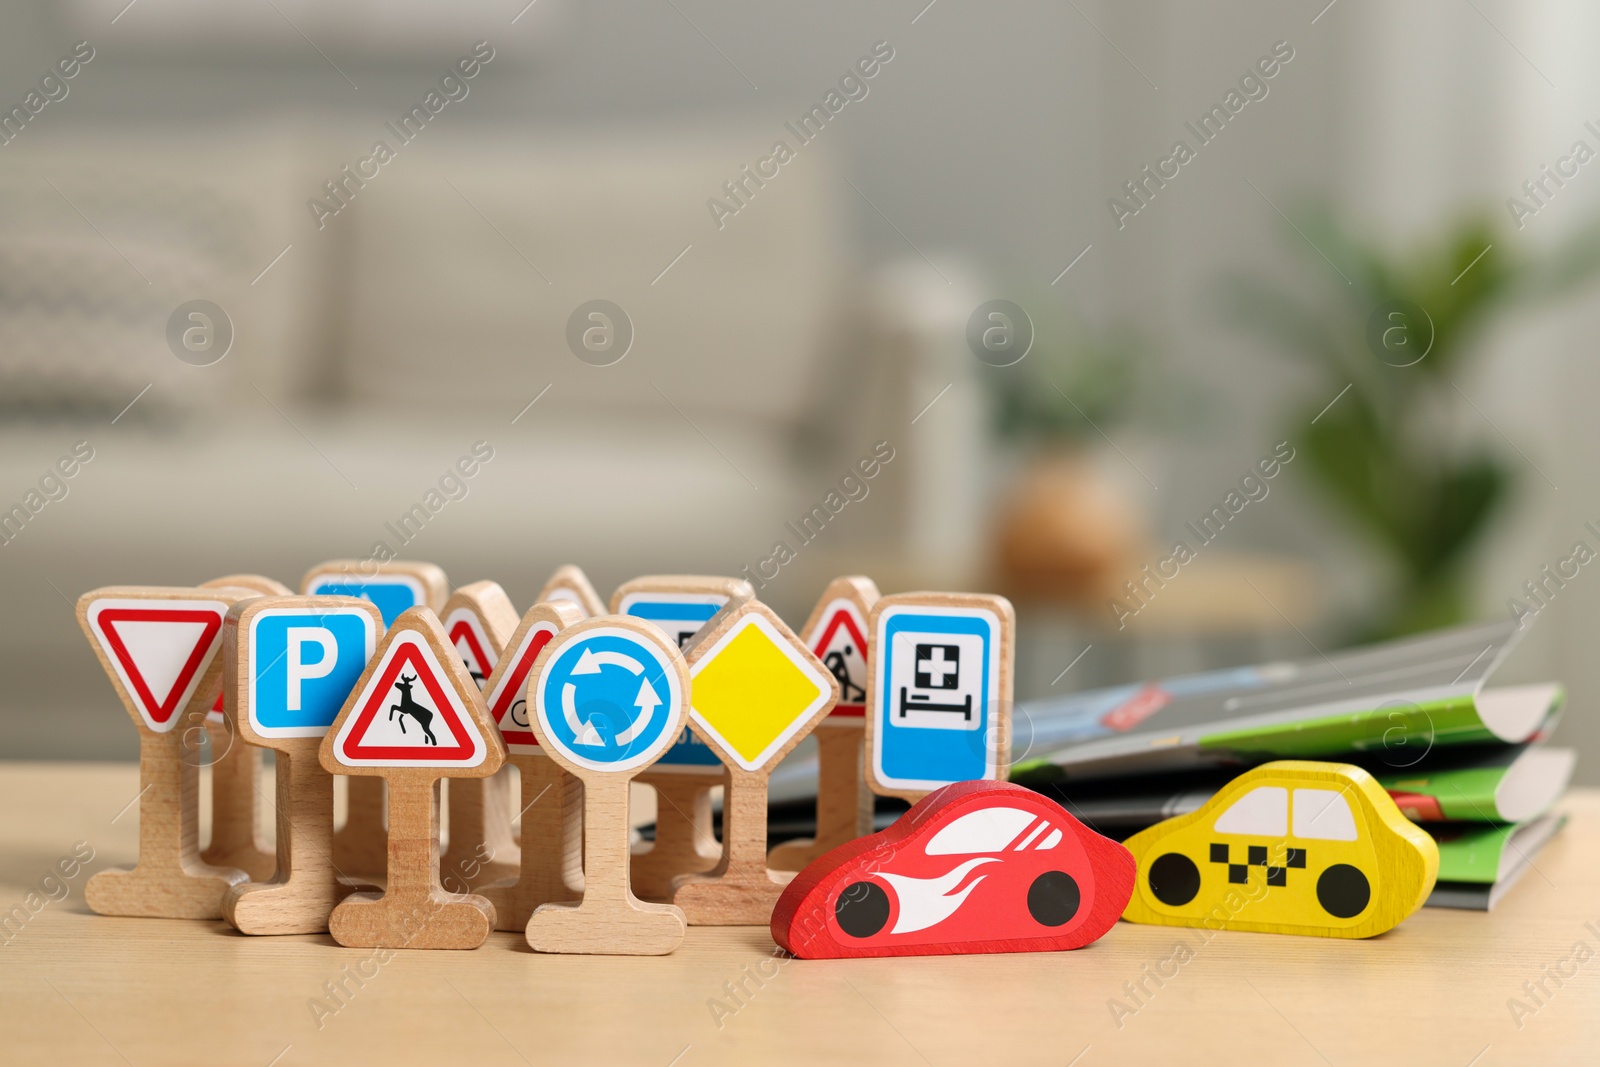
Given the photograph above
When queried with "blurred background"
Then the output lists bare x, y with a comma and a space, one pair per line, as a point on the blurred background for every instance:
1374, 265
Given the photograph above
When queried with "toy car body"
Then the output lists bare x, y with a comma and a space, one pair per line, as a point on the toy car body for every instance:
1289, 847
972, 867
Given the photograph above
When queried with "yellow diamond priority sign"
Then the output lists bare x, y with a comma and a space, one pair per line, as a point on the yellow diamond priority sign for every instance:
756, 690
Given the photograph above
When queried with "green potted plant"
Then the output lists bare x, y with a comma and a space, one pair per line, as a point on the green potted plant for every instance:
1387, 432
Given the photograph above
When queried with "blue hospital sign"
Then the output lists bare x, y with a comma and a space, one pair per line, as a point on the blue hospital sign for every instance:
302, 664
392, 594
937, 678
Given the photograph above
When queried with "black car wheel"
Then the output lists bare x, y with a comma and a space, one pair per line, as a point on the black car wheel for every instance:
1053, 898
862, 909
1174, 879
1343, 891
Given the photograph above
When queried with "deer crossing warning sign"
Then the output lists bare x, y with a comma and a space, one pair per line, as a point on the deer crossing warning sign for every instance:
408, 715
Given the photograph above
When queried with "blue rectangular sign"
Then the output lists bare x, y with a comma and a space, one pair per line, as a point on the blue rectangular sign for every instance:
302, 665
681, 616
936, 684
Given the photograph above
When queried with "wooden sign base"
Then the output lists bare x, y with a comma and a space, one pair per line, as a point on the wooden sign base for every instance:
551, 862
686, 841
741, 891
306, 887
360, 846
413, 911
844, 803
609, 920
170, 880
235, 778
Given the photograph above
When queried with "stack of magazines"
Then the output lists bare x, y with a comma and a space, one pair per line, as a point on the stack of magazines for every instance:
1465, 761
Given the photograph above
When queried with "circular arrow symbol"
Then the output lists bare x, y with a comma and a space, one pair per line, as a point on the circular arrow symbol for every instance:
587, 732
607, 697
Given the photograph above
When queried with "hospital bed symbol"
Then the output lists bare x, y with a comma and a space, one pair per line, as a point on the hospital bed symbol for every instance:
938, 667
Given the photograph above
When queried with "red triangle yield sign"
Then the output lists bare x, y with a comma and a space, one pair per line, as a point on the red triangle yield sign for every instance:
844, 617
151, 655
479, 662
508, 705
364, 742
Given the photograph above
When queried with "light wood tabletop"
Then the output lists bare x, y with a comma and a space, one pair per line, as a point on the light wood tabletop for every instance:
77, 988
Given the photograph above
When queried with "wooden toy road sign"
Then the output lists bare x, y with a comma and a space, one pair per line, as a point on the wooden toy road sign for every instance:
757, 692
939, 705
479, 620
551, 857
235, 771
394, 586
836, 633
415, 716
682, 605
290, 663
159, 646
609, 696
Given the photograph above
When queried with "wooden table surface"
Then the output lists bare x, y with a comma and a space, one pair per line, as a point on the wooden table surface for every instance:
77, 988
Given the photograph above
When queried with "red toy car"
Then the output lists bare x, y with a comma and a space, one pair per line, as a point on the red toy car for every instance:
973, 867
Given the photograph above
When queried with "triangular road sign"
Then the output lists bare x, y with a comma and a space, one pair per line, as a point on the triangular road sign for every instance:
466, 634
842, 648
506, 692
570, 584
158, 648
479, 620
836, 633
415, 706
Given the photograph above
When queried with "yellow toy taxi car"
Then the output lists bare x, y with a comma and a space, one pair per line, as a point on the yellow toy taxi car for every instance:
1292, 847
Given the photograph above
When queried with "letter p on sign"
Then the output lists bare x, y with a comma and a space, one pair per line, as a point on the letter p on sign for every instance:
300, 662
299, 671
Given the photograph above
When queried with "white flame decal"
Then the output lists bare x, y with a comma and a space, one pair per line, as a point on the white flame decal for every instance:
926, 902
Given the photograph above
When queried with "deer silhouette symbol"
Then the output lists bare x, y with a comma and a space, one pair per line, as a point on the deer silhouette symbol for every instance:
410, 707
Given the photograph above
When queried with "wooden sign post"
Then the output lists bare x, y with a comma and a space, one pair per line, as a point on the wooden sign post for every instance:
552, 799
415, 716
836, 633
159, 648
609, 696
681, 605
289, 664
939, 706
236, 772
757, 692
395, 586
479, 620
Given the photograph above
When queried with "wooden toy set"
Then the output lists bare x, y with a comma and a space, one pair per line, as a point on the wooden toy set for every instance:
379, 674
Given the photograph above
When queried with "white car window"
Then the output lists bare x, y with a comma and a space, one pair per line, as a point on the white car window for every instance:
984, 830
1263, 810
1323, 814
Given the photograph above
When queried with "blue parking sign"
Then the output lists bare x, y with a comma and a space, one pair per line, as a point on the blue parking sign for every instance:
937, 695
302, 664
